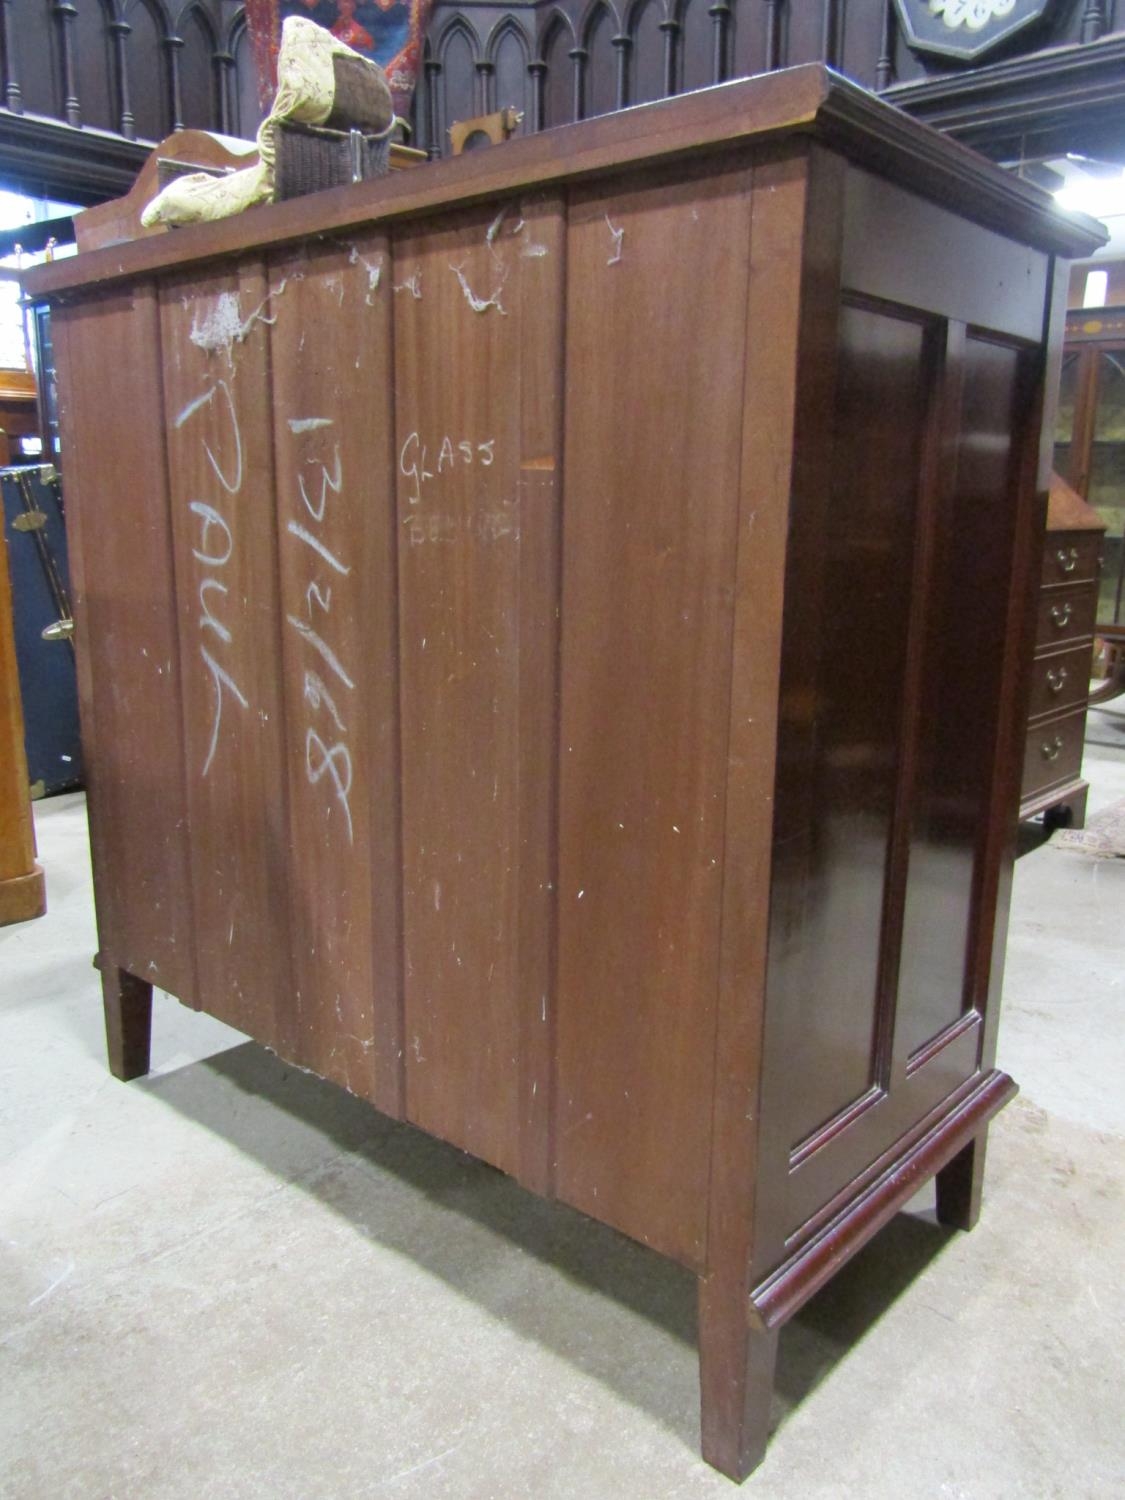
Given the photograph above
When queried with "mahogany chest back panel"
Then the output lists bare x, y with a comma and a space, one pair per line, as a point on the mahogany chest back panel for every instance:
573, 606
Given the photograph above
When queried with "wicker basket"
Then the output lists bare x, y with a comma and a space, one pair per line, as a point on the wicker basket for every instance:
311, 157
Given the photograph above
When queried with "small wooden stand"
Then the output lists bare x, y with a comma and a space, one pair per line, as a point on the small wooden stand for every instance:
22, 892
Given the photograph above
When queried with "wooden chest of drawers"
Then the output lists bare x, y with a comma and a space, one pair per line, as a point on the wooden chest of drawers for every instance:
488, 571
1064, 639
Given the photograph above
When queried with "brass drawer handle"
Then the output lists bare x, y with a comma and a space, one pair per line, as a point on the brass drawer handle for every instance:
1051, 751
1056, 678
1067, 559
1061, 613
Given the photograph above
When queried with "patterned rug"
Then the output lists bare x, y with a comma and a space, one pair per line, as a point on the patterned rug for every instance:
1103, 836
390, 31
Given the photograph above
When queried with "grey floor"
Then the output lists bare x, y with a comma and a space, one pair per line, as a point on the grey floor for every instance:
230, 1279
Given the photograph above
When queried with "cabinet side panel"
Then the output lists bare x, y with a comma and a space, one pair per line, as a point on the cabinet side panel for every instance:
116, 496
973, 545
839, 736
656, 296
220, 465
331, 362
946, 425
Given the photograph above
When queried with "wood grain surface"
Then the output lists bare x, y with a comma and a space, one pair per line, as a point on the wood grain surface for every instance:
219, 435
650, 547
129, 676
553, 665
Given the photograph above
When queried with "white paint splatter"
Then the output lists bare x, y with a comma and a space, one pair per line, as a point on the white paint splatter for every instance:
374, 271
413, 285
494, 229
618, 236
479, 304
224, 326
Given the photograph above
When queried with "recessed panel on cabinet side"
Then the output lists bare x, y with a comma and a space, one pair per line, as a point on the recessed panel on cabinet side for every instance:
656, 329
964, 646
331, 360
886, 832
839, 744
220, 465
476, 315
128, 656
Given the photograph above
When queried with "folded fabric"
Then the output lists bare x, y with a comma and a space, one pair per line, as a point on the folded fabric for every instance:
320, 81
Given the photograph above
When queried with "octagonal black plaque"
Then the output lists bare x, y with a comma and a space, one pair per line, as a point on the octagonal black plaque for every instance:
965, 28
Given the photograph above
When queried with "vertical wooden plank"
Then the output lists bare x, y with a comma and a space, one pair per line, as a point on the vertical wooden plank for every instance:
542, 294
129, 676
650, 525
816, 317
333, 441
736, 1361
468, 334
221, 488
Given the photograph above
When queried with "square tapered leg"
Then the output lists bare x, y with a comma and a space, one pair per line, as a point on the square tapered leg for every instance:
128, 1022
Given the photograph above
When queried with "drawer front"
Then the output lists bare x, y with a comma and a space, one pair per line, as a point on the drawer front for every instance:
1053, 752
1066, 615
1060, 681
1071, 556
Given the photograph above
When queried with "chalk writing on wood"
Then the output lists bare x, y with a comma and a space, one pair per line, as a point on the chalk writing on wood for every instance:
416, 457
422, 465
328, 756
214, 550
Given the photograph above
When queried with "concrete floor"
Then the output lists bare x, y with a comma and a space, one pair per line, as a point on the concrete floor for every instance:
230, 1279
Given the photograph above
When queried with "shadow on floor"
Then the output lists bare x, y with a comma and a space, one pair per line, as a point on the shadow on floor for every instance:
358, 1139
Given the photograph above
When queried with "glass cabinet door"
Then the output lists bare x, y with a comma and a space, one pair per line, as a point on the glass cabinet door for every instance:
1107, 479
1065, 455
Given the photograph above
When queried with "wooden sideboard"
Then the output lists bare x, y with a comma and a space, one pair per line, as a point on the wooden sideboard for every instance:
576, 592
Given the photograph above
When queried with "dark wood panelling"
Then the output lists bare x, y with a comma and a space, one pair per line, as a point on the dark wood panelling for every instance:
147, 66
196, 65
840, 732
697, 47
95, 66
246, 111
134, 69
171, 62
558, 86
646, 57
667, 47
510, 53
972, 551
457, 52
599, 93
